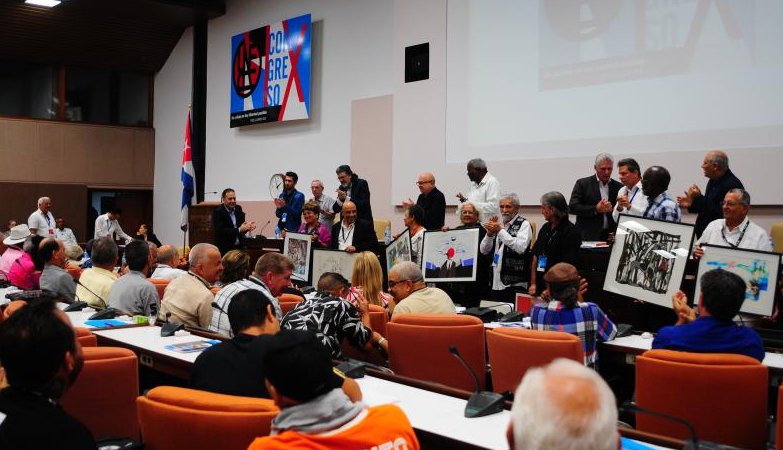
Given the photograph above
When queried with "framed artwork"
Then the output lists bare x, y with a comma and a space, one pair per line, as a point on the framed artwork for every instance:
297, 247
648, 259
450, 255
398, 250
332, 261
758, 269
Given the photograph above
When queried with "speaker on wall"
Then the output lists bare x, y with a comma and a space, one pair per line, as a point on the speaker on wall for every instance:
417, 62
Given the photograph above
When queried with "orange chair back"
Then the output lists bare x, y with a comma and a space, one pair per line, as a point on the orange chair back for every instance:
378, 319
103, 398
289, 298
85, 337
160, 285
419, 348
512, 351
724, 396
74, 271
779, 424
175, 418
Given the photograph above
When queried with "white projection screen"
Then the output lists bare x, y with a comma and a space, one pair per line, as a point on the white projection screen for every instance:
534, 84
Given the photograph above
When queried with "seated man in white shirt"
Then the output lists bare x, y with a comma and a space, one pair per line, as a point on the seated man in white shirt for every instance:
64, 233
108, 225
630, 199
406, 284
168, 260
735, 230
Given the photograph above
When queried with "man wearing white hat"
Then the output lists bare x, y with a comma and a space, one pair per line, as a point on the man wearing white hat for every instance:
16, 236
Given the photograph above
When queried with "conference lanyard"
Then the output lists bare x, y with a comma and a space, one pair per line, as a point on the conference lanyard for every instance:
343, 236
635, 191
46, 216
742, 235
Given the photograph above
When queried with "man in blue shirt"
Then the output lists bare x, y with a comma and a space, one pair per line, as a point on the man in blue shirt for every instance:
289, 204
722, 294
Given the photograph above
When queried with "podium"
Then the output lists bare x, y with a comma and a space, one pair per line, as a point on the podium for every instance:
200, 223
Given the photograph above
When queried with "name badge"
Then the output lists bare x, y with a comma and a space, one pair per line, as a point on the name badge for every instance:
51, 231
541, 264
496, 259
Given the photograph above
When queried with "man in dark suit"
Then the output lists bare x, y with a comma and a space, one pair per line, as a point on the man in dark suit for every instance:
708, 206
431, 200
593, 199
354, 189
353, 234
228, 221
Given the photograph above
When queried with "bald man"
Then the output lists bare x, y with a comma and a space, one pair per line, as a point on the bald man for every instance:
722, 180
431, 200
353, 234
563, 405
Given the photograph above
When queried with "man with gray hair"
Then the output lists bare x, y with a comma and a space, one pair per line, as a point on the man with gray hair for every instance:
509, 242
95, 283
593, 199
722, 180
188, 299
563, 406
406, 284
270, 276
735, 230
325, 202
41, 221
168, 260
484, 188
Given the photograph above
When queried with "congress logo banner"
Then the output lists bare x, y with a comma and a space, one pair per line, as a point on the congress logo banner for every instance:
270, 73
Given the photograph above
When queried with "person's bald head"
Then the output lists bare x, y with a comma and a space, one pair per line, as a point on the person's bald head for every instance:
348, 212
168, 255
425, 182
563, 405
716, 164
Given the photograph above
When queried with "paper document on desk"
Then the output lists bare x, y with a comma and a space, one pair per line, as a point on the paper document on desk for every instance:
194, 346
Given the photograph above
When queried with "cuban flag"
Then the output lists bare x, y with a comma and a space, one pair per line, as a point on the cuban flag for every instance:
188, 177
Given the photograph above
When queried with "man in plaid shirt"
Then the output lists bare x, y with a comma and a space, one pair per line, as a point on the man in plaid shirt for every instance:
661, 206
564, 312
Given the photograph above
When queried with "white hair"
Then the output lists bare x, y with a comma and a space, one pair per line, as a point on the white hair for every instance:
199, 253
564, 406
318, 182
462, 205
511, 196
601, 157
408, 270
42, 200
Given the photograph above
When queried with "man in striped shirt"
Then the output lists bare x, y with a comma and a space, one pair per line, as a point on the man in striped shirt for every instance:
565, 312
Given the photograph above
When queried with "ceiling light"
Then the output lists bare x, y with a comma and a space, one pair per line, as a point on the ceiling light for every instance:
45, 3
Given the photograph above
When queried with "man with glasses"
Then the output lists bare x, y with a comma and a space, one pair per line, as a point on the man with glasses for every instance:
406, 284
735, 230
431, 200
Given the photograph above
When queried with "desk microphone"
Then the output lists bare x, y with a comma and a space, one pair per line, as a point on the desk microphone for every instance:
481, 403
211, 192
693, 443
216, 306
91, 292
261, 233
169, 328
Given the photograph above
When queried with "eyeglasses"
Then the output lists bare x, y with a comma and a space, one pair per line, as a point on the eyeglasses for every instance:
422, 183
730, 204
393, 283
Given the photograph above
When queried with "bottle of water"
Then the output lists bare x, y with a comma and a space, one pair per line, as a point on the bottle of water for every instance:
277, 232
283, 218
387, 235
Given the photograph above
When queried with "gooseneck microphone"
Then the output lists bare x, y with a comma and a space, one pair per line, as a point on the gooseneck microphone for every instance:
481, 403
261, 233
693, 443
105, 304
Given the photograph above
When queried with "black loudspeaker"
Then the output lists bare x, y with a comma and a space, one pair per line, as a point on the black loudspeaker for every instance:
417, 62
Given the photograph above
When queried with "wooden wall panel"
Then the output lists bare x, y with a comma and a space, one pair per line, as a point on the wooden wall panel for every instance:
19, 200
94, 155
